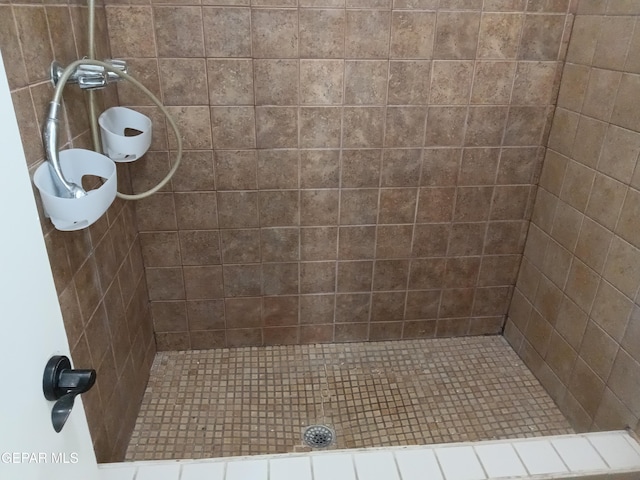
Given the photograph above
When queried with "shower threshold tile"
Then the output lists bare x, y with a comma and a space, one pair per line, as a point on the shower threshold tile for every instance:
259, 400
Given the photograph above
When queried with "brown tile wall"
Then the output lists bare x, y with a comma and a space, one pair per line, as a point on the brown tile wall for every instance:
98, 272
574, 317
359, 170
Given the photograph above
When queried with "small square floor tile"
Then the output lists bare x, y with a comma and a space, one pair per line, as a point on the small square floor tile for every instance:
258, 400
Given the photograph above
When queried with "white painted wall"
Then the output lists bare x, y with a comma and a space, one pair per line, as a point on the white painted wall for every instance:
32, 331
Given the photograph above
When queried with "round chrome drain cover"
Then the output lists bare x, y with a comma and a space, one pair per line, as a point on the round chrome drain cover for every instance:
318, 436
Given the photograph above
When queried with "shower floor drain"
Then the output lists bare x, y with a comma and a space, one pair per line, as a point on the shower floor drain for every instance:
318, 436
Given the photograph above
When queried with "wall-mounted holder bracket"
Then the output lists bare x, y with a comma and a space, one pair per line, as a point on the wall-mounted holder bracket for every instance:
76, 212
89, 77
64, 384
119, 146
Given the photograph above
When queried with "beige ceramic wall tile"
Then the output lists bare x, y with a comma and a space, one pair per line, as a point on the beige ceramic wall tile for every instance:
493, 82
622, 7
183, 81
588, 142
456, 35
195, 126
363, 127
367, 34
631, 64
230, 81
321, 82
601, 92
445, 126
623, 114
179, 31
591, 7
322, 33
17, 76
412, 34
409, 82
276, 127
274, 33
129, 26
240, 246
365, 82
277, 169
227, 32
613, 42
541, 36
320, 127
319, 168
499, 35
451, 82
33, 33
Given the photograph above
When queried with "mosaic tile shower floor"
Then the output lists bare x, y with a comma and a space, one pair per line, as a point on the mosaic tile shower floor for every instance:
258, 400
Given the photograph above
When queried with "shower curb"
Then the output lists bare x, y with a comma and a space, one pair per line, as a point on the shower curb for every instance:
592, 456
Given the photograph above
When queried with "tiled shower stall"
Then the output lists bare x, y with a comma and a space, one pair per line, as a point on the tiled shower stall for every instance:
356, 170
351, 174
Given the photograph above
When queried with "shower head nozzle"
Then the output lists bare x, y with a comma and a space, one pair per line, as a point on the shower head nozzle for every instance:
50, 140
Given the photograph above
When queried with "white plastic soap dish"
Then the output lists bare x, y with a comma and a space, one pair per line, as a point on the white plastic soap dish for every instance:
119, 146
77, 213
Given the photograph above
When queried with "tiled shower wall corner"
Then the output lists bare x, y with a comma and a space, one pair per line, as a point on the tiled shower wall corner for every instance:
575, 318
354, 170
98, 272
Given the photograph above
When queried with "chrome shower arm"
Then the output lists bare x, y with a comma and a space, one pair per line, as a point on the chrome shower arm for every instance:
50, 140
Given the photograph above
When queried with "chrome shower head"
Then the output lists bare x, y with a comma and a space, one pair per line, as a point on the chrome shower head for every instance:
50, 140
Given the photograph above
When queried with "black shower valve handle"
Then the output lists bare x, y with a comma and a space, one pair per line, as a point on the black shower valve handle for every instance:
76, 381
63, 384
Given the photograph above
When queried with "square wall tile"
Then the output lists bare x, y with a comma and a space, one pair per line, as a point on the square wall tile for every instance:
499, 35
276, 82
367, 34
230, 81
322, 33
451, 82
365, 82
183, 81
320, 127
179, 31
227, 32
274, 33
276, 127
123, 22
233, 127
541, 35
456, 35
412, 34
321, 82
409, 82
